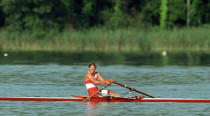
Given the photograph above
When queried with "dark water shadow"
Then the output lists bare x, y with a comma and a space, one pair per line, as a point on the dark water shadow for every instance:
114, 58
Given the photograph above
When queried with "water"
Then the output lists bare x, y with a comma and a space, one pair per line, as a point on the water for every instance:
115, 58
64, 80
46, 74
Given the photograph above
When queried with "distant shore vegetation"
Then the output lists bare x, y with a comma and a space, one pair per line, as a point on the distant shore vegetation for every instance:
106, 40
105, 26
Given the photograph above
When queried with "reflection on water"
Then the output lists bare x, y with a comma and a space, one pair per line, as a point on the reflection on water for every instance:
94, 107
137, 59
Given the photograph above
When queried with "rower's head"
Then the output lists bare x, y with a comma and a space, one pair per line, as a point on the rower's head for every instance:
92, 67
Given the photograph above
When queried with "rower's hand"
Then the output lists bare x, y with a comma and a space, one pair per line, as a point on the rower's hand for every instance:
110, 82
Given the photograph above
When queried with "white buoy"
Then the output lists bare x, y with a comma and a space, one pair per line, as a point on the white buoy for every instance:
164, 53
5, 54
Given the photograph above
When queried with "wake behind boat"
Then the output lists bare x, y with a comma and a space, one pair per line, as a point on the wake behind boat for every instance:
106, 99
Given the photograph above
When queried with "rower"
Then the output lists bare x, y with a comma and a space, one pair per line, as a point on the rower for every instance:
93, 78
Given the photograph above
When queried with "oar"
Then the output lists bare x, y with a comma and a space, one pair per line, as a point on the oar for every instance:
95, 93
132, 89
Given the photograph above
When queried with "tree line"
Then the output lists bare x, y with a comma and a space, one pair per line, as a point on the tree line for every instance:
62, 14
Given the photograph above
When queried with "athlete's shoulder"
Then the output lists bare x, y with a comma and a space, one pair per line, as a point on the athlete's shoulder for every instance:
87, 73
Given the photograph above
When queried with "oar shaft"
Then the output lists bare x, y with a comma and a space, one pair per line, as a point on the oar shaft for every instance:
95, 93
132, 89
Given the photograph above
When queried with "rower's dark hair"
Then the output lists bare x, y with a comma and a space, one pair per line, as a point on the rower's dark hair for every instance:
92, 64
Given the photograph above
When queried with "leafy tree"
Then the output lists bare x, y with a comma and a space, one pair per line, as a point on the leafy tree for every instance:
163, 13
177, 13
21, 15
151, 12
89, 13
2, 17
117, 17
33, 14
200, 12
71, 10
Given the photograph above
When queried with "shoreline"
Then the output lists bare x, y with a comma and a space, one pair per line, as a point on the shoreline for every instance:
104, 40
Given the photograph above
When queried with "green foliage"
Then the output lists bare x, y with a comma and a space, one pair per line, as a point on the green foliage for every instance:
195, 15
20, 15
163, 13
2, 17
151, 12
177, 13
199, 9
33, 14
117, 17
106, 40
89, 13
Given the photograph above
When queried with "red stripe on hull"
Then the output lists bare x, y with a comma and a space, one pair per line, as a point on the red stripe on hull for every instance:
40, 99
150, 100
106, 99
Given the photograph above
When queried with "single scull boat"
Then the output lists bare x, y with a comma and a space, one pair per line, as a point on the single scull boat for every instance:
106, 99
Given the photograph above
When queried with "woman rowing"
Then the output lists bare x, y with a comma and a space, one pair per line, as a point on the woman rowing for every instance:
93, 78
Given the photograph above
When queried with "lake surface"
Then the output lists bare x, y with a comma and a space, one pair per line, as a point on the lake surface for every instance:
55, 79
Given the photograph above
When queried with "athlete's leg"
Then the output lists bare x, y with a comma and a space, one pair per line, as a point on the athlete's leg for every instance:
113, 93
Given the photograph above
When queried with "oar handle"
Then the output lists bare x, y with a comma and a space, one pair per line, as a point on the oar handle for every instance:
95, 93
132, 89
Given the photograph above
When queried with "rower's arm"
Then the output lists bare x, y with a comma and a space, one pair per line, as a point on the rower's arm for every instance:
103, 80
93, 80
